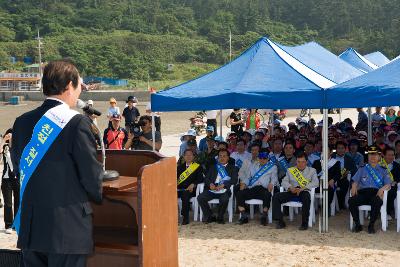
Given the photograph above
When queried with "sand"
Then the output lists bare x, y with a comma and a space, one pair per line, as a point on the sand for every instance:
253, 244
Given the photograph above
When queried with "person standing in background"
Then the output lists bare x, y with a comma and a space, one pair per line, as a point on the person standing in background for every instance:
212, 120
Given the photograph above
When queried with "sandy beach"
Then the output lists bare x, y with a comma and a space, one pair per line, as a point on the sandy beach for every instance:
253, 244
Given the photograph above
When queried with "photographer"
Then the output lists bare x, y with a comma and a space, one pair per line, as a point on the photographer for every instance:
130, 113
9, 183
144, 140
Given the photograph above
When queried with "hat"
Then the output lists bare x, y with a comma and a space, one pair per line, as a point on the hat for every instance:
259, 132
373, 150
112, 100
362, 138
90, 102
391, 133
131, 98
210, 128
276, 121
190, 132
116, 117
363, 133
263, 126
191, 142
302, 137
263, 155
391, 108
320, 124
247, 133
219, 139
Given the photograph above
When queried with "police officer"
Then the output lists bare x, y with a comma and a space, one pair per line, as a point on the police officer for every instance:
258, 184
368, 187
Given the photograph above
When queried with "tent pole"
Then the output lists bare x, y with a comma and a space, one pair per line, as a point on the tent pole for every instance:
220, 123
340, 115
153, 131
369, 127
325, 170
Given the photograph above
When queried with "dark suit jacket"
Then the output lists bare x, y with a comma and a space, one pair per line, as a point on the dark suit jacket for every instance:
56, 214
349, 164
195, 178
212, 174
334, 172
396, 172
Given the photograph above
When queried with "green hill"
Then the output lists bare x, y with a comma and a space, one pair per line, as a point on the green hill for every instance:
136, 39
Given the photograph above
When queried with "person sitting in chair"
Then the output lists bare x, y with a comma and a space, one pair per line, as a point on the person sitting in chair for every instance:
369, 184
394, 173
219, 178
298, 182
190, 174
259, 183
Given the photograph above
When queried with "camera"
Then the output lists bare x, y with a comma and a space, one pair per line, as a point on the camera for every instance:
134, 128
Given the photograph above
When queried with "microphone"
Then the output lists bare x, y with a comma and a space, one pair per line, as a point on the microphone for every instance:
88, 109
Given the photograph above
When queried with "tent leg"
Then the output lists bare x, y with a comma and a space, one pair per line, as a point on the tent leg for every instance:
325, 170
220, 123
369, 127
153, 131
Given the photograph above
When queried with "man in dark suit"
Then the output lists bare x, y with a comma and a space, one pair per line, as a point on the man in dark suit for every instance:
394, 168
218, 181
190, 174
56, 217
347, 166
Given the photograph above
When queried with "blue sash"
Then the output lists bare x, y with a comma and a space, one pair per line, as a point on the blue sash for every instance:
45, 132
239, 163
264, 169
273, 159
374, 175
284, 164
222, 173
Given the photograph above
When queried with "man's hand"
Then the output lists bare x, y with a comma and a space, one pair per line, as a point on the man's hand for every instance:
212, 186
354, 189
242, 186
332, 183
380, 193
345, 174
190, 188
220, 187
299, 190
7, 137
143, 139
270, 187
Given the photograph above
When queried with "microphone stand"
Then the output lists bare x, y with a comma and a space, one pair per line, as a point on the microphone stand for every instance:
109, 175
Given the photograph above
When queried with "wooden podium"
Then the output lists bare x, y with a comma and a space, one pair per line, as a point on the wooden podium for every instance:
136, 224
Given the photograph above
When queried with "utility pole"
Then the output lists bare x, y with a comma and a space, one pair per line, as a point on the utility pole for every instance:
40, 43
230, 45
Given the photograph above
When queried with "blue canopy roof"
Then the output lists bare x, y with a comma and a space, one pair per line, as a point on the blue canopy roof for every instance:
352, 57
377, 58
323, 61
378, 88
264, 76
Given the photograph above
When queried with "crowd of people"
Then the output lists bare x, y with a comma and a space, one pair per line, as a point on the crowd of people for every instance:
137, 131
257, 163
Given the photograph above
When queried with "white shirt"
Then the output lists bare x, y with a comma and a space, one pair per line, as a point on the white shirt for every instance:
211, 114
243, 156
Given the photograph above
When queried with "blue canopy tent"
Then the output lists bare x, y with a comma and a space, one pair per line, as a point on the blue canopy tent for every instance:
378, 88
263, 76
352, 57
321, 60
377, 58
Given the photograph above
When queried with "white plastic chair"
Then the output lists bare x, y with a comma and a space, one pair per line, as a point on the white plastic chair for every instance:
295, 204
366, 208
252, 202
195, 204
216, 201
334, 204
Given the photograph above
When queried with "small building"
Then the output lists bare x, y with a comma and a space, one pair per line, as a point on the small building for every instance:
28, 80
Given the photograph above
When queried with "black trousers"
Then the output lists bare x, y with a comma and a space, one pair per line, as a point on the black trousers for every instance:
213, 123
283, 197
343, 184
10, 190
206, 196
330, 193
392, 194
185, 196
365, 196
257, 192
38, 259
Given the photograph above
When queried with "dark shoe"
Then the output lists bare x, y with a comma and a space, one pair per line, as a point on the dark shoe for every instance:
303, 227
210, 219
357, 228
220, 221
185, 221
371, 229
280, 224
263, 220
243, 220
